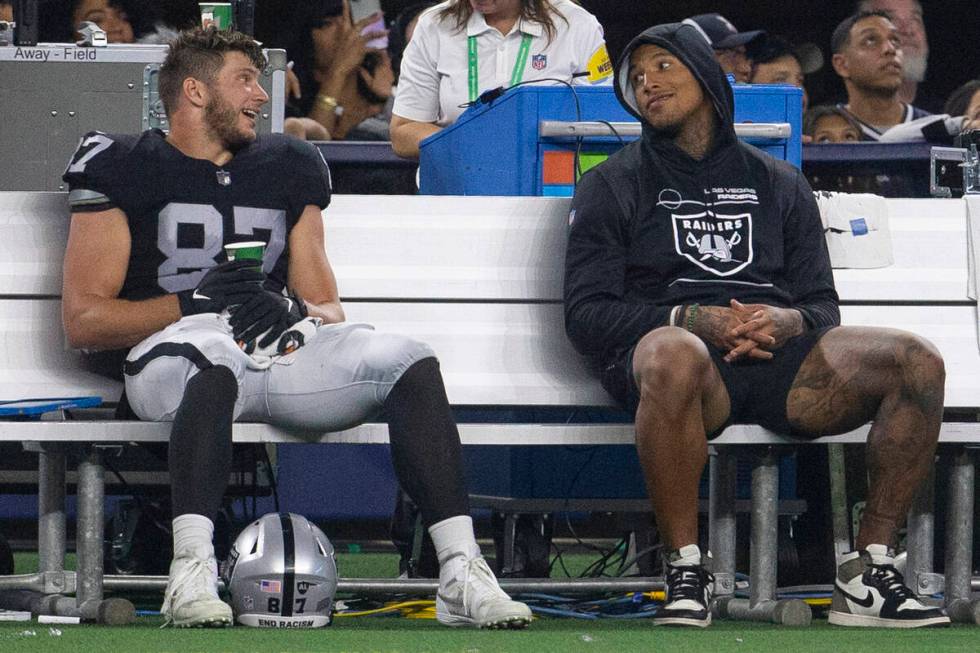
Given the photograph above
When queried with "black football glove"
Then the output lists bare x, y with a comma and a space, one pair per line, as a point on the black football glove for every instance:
267, 314
228, 284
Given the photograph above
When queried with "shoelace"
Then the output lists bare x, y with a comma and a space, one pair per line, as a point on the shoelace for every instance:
194, 573
892, 579
477, 571
687, 583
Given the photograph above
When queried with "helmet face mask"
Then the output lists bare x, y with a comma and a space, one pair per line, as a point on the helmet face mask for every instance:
281, 573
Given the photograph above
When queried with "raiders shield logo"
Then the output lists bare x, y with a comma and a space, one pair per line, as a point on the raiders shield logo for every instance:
720, 244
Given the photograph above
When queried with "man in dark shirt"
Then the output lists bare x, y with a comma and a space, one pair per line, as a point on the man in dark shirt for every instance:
698, 279
868, 57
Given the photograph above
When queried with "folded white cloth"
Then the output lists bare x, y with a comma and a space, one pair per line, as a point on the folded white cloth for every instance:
856, 228
937, 128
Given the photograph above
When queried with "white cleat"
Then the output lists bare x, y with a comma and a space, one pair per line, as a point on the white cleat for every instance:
191, 600
474, 599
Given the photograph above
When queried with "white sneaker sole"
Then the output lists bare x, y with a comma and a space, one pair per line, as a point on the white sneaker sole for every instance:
504, 623
870, 621
512, 621
682, 621
206, 622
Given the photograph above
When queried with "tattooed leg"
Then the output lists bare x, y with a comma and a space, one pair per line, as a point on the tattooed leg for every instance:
682, 397
896, 379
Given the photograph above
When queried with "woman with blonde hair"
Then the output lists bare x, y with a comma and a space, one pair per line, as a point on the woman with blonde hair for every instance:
462, 48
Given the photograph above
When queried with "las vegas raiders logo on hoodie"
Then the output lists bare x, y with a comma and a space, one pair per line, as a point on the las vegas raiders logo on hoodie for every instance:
716, 241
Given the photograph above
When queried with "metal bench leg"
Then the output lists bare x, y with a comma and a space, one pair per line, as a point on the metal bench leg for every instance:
921, 541
762, 604
959, 540
89, 542
51, 581
721, 519
51, 523
838, 502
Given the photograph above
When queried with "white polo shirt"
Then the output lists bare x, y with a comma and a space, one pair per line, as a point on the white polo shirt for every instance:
434, 78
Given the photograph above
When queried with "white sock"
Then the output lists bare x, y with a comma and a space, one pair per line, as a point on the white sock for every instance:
193, 534
454, 536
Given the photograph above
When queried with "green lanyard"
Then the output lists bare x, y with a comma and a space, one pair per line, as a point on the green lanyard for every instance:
515, 77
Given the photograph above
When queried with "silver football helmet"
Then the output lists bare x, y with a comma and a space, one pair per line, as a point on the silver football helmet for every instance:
281, 573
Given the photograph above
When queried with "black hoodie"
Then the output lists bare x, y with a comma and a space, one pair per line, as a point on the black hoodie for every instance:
652, 228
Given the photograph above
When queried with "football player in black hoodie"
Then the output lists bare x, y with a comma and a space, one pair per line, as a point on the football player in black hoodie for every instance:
698, 280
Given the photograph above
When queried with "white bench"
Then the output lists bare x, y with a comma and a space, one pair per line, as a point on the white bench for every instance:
479, 279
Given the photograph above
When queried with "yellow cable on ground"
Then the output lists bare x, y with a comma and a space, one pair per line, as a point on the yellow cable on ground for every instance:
410, 609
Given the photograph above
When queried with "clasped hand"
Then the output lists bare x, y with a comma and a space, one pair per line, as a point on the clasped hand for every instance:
237, 286
267, 314
749, 330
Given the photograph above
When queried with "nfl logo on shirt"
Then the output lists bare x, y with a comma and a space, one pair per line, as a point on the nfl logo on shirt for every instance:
539, 61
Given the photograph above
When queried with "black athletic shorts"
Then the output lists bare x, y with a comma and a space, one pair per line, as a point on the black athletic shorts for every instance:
757, 389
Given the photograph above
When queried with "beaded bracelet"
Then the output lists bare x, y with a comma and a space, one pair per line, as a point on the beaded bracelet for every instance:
692, 316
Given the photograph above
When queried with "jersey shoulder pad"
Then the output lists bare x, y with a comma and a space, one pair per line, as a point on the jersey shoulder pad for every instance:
307, 173
96, 168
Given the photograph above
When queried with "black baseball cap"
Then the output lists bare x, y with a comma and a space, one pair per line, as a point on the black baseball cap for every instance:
722, 33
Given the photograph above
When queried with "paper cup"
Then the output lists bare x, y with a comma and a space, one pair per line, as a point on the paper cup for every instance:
215, 13
250, 251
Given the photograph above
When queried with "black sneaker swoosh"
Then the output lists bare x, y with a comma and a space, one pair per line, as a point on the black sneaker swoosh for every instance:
866, 602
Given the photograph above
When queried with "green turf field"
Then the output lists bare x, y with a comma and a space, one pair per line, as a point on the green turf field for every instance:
398, 634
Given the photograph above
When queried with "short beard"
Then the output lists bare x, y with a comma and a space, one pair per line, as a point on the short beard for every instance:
914, 67
221, 120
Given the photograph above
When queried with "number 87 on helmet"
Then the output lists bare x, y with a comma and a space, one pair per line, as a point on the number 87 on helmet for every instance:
281, 573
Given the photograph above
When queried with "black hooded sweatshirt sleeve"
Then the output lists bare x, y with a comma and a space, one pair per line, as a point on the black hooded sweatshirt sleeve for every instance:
652, 228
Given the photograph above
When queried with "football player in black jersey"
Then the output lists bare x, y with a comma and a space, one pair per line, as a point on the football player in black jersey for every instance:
145, 271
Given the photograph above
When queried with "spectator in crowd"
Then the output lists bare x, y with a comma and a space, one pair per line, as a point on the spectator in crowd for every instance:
401, 32
730, 45
907, 16
6, 12
776, 61
206, 340
697, 279
826, 123
537, 39
965, 101
124, 21
342, 82
867, 55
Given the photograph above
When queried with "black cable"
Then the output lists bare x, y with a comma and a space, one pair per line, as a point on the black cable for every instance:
626, 564
273, 482
560, 560
615, 132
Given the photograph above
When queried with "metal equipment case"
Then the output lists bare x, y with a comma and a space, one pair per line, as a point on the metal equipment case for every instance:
52, 93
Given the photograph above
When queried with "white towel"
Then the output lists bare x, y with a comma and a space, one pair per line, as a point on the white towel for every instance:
856, 227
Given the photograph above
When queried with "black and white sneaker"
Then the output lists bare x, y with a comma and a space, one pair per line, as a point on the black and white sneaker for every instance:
869, 591
689, 583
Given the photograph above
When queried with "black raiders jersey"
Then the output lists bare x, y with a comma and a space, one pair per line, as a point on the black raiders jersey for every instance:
182, 211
